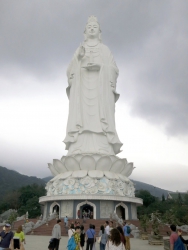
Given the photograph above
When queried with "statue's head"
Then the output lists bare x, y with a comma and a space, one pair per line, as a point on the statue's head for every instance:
92, 29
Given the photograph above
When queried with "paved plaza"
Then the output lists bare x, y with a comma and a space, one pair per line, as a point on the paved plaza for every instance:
41, 243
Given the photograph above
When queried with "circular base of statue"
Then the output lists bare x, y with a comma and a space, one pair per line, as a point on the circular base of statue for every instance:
102, 207
94, 182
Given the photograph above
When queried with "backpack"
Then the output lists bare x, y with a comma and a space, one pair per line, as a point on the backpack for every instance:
71, 243
51, 244
178, 245
128, 230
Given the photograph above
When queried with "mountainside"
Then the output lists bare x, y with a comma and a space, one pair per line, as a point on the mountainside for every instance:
155, 191
12, 180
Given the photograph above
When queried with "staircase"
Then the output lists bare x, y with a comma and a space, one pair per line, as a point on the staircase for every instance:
21, 223
47, 229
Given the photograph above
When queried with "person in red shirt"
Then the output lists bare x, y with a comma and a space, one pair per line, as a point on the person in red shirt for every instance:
173, 236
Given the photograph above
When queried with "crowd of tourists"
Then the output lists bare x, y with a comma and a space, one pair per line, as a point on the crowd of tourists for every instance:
109, 237
79, 238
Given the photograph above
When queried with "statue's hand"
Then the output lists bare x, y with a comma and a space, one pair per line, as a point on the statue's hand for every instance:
92, 67
81, 53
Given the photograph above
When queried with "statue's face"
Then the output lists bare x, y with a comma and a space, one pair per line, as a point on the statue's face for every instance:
92, 29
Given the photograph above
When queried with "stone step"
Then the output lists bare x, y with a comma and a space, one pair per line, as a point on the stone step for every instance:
47, 229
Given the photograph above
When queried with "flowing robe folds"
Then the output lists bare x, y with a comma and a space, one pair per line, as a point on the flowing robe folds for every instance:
92, 97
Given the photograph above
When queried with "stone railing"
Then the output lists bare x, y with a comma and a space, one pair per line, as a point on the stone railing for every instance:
30, 226
20, 218
115, 217
119, 221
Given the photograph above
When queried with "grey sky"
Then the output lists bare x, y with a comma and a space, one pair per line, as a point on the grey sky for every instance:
149, 40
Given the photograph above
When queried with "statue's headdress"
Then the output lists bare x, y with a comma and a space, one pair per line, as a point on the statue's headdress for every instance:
93, 19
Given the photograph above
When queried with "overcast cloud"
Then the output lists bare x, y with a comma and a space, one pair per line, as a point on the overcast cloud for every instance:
149, 40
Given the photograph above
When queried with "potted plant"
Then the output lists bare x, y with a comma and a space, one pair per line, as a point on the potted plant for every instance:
155, 220
144, 223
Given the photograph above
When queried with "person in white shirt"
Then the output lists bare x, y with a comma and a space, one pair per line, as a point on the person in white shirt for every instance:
107, 228
111, 226
56, 234
71, 231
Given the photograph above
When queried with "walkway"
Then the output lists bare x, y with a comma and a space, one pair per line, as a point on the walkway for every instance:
41, 243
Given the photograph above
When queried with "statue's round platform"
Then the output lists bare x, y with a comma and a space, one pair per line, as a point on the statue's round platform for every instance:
96, 182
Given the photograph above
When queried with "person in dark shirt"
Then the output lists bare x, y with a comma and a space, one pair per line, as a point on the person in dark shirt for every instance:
6, 237
182, 239
82, 237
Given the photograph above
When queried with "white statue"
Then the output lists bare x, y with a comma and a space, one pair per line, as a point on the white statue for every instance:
92, 76
91, 165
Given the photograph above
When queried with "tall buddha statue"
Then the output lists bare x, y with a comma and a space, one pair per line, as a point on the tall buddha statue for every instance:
92, 76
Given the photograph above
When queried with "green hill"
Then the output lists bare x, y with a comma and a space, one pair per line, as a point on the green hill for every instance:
11, 180
155, 191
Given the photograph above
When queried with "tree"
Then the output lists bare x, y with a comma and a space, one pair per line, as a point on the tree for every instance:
29, 200
144, 222
146, 196
170, 217
180, 200
181, 214
163, 197
32, 206
155, 222
12, 218
24, 199
186, 199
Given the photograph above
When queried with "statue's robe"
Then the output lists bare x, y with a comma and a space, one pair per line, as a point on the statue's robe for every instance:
92, 96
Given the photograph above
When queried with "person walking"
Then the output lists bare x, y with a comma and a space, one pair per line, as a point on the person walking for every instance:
65, 221
111, 225
126, 231
71, 230
6, 237
94, 243
76, 236
114, 243
56, 235
90, 234
20, 234
107, 227
82, 237
176, 242
104, 238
